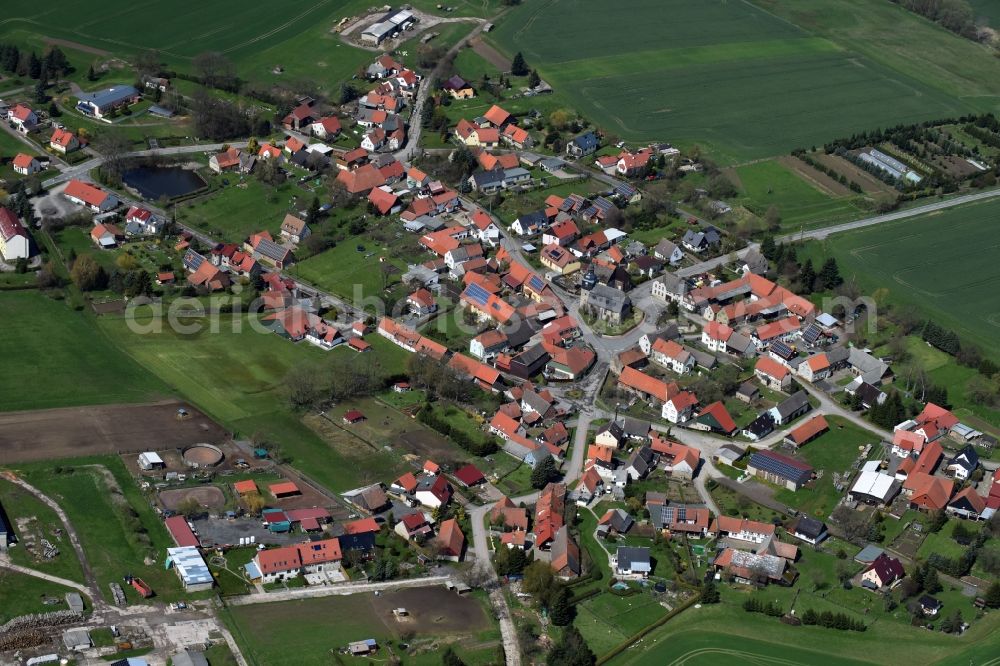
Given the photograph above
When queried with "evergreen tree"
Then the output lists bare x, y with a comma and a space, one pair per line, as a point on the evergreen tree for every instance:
571, 650
829, 275
34, 66
544, 471
533, 79
807, 276
931, 583
768, 248
560, 609
710, 593
40, 95
91, 75
518, 66
312, 216
810, 617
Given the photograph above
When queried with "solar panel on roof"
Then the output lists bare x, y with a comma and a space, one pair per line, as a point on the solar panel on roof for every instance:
782, 350
536, 283
769, 463
812, 334
477, 294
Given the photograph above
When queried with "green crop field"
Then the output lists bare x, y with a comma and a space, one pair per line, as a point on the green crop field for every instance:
942, 263
295, 35
743, 80
61, 360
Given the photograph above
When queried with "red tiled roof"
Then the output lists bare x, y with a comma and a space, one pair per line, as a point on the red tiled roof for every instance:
244, 487
283, 488
90, 195
469, 475
362, 526
497, 115
181, 533
809, 430
772, 368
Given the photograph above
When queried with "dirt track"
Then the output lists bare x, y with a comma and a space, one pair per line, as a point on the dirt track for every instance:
52, 434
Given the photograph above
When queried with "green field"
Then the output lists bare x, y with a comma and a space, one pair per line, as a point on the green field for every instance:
235, 211
943, 264
21, 594
725, 634
40, 522
94, 493
988, 10
742, 80
62, 360
800, 204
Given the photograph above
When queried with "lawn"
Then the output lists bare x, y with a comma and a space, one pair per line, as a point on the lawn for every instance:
240, 208
942, 542
770, 183
63, 360
40, 523
724, 633
927, 262
21, 594
743, 81
351, 273
608, 619
833, 451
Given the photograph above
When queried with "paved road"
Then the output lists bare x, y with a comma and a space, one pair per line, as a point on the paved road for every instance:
406, 153
65, 582
889, 217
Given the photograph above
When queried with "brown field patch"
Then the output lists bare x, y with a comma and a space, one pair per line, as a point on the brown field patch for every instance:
734, 178
209, 497
869, 183
434, 611
52, 434
428, 444
76, 46
816, 178
490, 54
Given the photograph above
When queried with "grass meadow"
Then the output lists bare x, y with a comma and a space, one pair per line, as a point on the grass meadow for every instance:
746, 81
770, 183
942, 263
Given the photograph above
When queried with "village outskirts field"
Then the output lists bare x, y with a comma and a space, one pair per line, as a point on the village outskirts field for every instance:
746, 82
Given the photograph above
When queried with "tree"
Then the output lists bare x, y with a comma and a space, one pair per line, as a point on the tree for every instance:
348, 93
87, 274
40, 95
810, 617
571, 650
113, 145
710, 593
992, 596
449, 658
91, 75
533, 79
829, 275
772, 217
769, 248
807, 276
34, 66
215, 70
518, 66
255, 503
189, 507
938, 519
931, 583
544, 472
560, 608
312, 215
539, 581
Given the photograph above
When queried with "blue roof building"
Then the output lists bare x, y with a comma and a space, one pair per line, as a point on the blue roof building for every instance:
585, 144
102, 102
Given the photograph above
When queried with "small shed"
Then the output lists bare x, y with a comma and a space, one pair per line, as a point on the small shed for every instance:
284, 489
151, 460
360, 648
748, 392
74, 601
353, 416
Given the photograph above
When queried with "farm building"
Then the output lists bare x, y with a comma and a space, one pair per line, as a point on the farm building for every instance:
390, 24
181, 532
101, 103
779, 469
284, 489
94, 198
190, 568
245, 487
151, 460
353, 416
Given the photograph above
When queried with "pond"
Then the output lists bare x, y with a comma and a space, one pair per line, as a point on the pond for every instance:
155, 182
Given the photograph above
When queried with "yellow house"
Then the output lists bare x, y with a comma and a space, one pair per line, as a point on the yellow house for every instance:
559, 259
